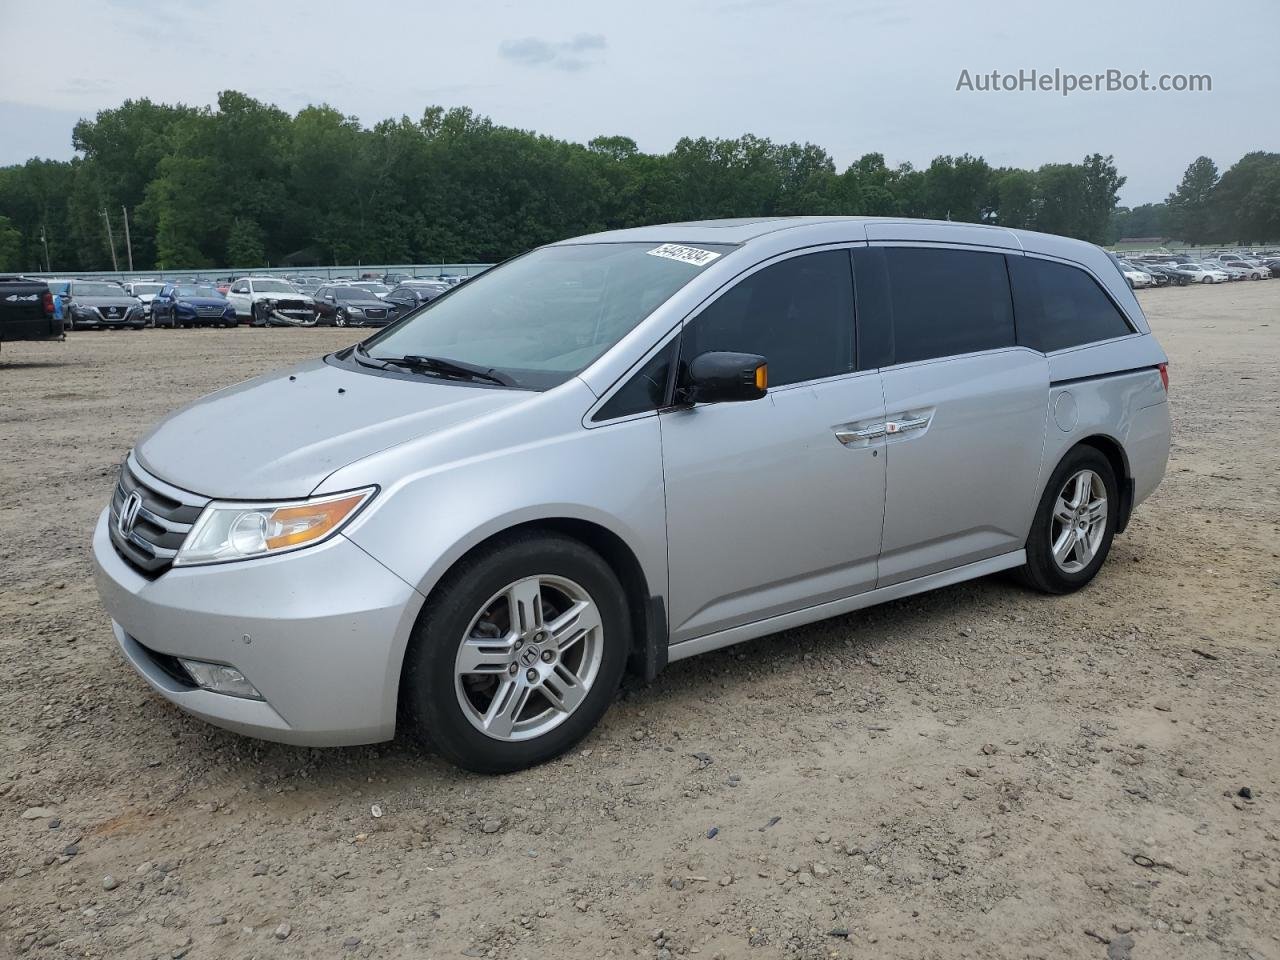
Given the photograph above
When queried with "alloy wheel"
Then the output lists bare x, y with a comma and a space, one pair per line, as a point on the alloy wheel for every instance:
1078, 523
529, 658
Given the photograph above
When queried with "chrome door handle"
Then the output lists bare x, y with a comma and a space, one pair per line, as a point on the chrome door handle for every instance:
847, 435
902, 426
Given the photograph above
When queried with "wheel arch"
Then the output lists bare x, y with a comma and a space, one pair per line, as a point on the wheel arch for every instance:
649, 630
1113, 450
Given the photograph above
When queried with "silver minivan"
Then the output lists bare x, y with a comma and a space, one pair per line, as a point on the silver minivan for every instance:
622, 450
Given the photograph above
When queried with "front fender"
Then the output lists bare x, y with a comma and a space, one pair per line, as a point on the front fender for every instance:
426, 519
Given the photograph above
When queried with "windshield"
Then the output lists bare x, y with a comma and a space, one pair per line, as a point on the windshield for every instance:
98, 290
195, 291
140, 288
544, 317
355, 293
272, 286
371, 286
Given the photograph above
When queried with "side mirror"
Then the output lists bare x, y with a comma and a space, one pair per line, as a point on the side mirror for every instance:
724, 378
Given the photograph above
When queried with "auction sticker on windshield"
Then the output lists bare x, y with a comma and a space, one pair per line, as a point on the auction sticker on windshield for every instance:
690, 255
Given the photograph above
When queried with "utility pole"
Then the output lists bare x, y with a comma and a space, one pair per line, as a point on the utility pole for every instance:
115, 264
45, 240
128, 244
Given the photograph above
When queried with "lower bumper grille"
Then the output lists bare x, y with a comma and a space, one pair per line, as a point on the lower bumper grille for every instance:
169, 665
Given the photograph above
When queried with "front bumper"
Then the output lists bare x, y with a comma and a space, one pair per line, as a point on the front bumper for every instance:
326, 631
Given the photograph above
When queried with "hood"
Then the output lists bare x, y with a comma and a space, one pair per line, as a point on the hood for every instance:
277, 438
145, 297
304, 297
124, 300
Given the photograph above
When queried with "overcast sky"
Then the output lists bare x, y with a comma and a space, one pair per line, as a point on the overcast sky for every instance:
852, 76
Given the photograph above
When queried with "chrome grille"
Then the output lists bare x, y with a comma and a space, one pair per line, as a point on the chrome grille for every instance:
112, 313
376, 313
214, 311
164, 519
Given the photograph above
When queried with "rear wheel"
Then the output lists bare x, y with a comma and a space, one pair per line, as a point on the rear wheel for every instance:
517, 654
1074, 523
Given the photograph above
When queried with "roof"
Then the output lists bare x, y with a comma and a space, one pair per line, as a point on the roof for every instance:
745, 229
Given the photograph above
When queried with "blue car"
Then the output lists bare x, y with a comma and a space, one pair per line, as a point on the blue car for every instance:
191, 305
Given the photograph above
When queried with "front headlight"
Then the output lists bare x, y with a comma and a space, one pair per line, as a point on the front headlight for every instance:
355, 311
228, 531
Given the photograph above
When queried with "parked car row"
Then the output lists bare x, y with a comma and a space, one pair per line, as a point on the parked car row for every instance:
1163, 270
258, 301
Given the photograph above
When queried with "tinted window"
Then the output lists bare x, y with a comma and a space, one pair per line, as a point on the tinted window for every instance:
797, 314
646, 390
1061, 306
947, 302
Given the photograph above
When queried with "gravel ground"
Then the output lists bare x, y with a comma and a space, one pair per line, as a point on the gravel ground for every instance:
979, 772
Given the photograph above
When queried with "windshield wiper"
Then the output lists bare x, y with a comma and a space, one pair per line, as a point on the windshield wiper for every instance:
444, 367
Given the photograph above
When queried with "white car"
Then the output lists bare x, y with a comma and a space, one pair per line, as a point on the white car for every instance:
1253, 270
1203, 274
144, 290
1232, 271
270, 301
1137, 278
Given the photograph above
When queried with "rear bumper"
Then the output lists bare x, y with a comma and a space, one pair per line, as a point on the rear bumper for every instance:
326, 631
45, 328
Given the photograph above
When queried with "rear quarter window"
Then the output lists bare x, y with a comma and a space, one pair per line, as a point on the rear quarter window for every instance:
1060, 306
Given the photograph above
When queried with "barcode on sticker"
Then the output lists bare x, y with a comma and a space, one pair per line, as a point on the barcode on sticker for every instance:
690, 255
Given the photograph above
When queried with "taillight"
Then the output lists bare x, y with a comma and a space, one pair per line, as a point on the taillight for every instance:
1164, 375
47, 302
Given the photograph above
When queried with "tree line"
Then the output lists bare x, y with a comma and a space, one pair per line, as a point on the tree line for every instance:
246, 183
1239, 206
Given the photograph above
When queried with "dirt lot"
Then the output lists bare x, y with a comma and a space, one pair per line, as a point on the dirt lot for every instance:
980, 772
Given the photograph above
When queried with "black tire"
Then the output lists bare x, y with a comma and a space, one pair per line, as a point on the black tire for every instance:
428, 697
1042, 571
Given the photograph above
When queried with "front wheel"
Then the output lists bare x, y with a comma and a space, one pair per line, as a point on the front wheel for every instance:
1074, 524
517, 654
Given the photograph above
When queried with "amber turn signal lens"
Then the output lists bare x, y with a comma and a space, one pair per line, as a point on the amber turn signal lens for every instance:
762, 377
291, 526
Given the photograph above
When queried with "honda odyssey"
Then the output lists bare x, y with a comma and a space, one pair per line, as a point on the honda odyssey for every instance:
618, 451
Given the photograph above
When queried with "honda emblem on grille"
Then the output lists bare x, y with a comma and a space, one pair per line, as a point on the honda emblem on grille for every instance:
129, 510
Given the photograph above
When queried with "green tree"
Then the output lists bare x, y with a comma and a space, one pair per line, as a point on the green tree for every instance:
11, 246
1189, 217
245, 244
959, 188
1017, 198
1245, 205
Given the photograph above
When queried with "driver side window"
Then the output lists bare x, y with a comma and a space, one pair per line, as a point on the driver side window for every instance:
797, 314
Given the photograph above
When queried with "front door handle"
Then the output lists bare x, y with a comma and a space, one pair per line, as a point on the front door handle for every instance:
848, 435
